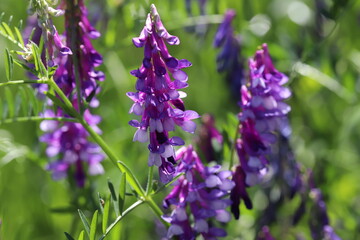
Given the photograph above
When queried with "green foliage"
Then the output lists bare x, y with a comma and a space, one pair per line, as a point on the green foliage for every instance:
19, 105
14, 34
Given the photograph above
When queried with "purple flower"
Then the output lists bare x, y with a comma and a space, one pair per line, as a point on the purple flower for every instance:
52, 41
157, 99
201, 192
67, 143
87, 57
229, 59
263, 114
239, 192
319, 221
208, 137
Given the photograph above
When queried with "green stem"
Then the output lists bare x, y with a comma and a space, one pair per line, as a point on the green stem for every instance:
149, 181
156, 210
117, 220
16, 82
37, 118
132, 180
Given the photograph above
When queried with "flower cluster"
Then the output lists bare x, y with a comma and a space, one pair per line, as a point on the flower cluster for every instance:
229, 60
68, 143
52, 40
201, 192
157, 99
263, 114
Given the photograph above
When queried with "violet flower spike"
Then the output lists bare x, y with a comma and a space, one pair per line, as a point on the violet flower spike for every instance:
263, 114
203, 193
157, 99
229, 60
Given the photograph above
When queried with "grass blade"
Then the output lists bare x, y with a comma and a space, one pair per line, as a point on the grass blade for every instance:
106, 214
81, 235
85, 222
114, 198
68, 236
93, 225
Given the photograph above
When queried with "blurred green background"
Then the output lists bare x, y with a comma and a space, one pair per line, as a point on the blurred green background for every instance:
316, 43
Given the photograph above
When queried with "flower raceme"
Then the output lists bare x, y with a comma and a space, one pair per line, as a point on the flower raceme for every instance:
263, 114
67, 143
202, 192
157, 99
229, 59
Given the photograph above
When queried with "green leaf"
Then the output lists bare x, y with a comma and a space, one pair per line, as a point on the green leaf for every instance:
114, 198
131, 179
25, 67
39, 66
9, 65
8, 30
19, 36
68, 236
10, 102
85, 222
112, 190
122, 192
106, 214
93, 225
81, 235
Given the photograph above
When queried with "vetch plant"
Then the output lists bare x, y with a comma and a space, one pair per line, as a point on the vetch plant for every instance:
157, 99
201, 195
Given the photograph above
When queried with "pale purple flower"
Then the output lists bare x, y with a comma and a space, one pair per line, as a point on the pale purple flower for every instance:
229, 59
157, 99
67, 143
199, 197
